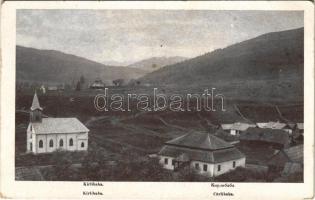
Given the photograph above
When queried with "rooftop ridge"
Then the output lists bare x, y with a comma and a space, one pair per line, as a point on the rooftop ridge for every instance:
200, 140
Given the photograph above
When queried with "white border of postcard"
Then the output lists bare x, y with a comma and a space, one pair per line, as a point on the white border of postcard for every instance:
10, 188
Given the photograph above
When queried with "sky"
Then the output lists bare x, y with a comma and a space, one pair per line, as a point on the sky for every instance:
127, 36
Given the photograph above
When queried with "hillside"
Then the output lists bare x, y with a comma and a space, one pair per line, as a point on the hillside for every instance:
156, 63
270, 65
57, 67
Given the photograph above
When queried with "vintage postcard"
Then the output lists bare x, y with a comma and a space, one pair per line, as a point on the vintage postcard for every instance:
157, 100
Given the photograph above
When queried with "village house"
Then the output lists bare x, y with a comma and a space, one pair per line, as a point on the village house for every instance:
275, 125
98, 84
202, 151
237, 127
52, 88
300, 127
49, 134
275, 138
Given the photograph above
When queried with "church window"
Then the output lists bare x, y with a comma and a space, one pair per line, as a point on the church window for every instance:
40, 145
71, 142
219, 168
165, 161
82, 144
61, 143
51, 143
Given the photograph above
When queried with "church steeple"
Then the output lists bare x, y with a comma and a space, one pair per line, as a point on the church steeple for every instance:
36, 110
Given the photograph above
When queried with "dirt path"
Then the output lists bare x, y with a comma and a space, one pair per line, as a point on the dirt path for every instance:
94, 119
171, 125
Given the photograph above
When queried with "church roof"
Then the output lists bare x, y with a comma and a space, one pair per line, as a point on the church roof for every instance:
35, 103
200, 140
59, 125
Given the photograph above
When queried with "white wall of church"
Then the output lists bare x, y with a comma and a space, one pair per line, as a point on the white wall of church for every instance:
51, 142
82, 141
73, 146
84, 146
55, 138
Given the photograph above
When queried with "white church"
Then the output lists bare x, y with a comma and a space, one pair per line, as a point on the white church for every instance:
46, 135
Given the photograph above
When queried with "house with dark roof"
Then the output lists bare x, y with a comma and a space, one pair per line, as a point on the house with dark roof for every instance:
46, 135
288, 160
202, 151
274, 137
237, 127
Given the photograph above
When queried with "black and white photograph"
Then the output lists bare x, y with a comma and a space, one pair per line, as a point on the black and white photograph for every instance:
159, 95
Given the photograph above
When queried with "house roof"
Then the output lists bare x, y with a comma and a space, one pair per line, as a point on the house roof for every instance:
58, 125
216, 156
200, 140
265, 134
35, 103
237, 126
290, 168
295, 154
272, 125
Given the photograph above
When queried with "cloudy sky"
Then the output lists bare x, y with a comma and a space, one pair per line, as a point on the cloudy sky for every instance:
131, 35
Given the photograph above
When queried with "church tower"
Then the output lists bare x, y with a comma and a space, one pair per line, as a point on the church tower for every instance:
36, 110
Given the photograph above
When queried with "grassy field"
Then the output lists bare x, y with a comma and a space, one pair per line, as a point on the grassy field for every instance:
126, 135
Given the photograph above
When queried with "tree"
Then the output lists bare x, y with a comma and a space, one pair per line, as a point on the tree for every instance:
78, 86
82, 79
154, 66
118, 82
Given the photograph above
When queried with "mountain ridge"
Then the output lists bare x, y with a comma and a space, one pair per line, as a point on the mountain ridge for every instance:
154, 63
267, 66
210, 59
55, 66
